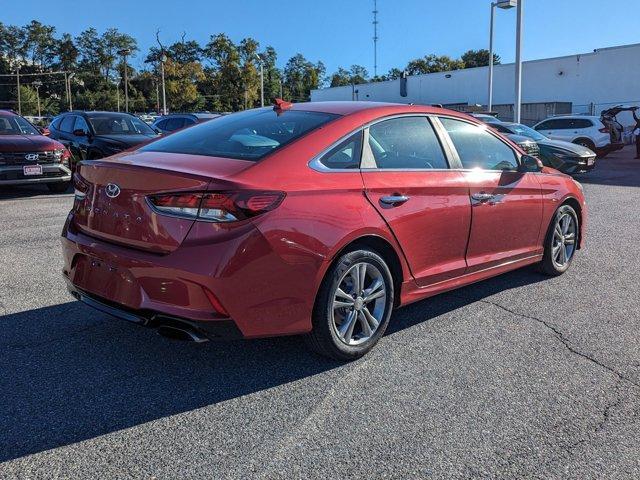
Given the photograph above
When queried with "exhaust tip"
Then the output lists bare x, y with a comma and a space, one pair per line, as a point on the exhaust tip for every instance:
184, 334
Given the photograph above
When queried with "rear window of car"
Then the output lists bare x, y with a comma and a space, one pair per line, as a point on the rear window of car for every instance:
248, 135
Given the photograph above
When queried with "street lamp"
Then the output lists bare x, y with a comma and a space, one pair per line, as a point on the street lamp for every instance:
37, 84
18, 81
124, 53
163, 59
505, 5
261, 79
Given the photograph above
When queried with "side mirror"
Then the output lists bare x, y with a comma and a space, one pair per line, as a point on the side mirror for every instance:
44, 131
529, 164
80, 133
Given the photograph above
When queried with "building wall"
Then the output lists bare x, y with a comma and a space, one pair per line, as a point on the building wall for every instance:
606, 77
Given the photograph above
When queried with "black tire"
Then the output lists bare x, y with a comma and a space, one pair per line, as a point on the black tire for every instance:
585, 142
549, 266
324, 338
60, 187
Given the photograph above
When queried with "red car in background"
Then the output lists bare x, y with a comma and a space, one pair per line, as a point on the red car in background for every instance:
313, 218
27, 156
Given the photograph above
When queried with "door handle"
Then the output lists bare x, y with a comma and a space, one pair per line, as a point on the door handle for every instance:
394, 199
483, 197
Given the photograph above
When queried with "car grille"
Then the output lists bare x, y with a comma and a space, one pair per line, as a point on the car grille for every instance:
531, 148
19, 158
18, 175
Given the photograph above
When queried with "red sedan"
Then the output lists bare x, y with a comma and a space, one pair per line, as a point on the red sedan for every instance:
313, 218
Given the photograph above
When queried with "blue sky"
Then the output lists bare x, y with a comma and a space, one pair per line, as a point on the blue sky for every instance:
339, 32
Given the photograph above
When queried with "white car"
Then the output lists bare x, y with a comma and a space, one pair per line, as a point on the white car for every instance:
602, 134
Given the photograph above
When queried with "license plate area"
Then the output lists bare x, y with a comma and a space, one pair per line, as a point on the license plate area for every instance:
32, 170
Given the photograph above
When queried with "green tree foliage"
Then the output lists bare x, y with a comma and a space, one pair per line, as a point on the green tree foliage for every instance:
433, 64
478, 58
29, 99
301, 76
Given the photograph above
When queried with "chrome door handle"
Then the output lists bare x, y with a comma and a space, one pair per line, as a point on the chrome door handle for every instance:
483, 197
394, 199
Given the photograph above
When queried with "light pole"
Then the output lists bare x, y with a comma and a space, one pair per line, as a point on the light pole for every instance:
505, 5
517, 108
163, 59
125, 52
71, 75
261, 79
37, 84
18, 81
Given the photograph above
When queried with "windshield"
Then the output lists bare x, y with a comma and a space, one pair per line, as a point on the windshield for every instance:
525, 131
119, 125
248, 135
15, 125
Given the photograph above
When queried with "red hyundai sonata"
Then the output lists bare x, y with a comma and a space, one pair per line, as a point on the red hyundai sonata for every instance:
313, 218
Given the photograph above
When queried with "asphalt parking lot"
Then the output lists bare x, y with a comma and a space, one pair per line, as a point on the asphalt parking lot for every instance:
519, 376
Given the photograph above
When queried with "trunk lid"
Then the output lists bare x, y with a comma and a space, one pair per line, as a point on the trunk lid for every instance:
115, 206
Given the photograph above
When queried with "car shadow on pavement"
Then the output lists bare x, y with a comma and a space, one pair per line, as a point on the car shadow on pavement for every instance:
70, 374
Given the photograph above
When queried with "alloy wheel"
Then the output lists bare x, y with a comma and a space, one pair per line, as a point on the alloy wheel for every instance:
359, 303
564, 240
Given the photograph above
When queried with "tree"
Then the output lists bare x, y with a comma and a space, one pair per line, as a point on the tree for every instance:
227, 88
433, 64
356, 75
478, 58
301, 76
67, 53
29, 102
39, 43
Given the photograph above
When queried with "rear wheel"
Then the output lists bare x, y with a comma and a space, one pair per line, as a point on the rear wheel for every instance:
59, 187
561, 242
585, 142
353, 306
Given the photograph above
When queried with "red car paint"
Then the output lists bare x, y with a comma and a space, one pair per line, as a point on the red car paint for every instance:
264, 272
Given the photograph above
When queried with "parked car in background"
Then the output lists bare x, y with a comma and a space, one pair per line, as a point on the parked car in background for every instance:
602, 134
564, 156
176, 121
311, 218
523, 141
28, 157
93, 135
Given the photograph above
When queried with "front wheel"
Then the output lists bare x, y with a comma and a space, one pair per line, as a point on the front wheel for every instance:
561, 242
353, 306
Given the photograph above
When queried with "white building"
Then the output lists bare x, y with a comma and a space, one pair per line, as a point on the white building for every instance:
583, 83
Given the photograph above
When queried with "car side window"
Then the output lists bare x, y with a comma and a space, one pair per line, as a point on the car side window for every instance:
67, 123
500, 128
581, 123
81, 124
189, 121
406, 143
174, 124
162, 124
346, 155
477, 148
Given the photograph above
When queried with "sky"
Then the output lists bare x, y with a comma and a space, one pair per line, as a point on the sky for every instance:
340, 32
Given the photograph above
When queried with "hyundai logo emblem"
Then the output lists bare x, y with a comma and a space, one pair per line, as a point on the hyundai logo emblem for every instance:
112, 190
32, 157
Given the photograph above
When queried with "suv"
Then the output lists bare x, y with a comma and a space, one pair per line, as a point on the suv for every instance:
601, 134
27, 156
93, 135
176, 121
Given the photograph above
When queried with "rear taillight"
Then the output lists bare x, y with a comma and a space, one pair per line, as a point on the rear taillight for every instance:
217, 206
604, 129
80, 187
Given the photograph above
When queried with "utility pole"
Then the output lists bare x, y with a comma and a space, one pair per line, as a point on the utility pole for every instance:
261, 79
18, 81
517, 108
375, 38
163, 59
125, 52
71, 75
37, 84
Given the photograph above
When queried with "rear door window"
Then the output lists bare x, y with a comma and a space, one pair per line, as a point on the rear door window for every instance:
346, 155
67, 123
248, 135
174, 124
406, 143
581, 123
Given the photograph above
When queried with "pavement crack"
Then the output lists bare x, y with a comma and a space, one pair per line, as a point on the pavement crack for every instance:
565, 341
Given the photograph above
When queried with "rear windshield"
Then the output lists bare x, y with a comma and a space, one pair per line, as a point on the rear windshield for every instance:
119, 125
248, 135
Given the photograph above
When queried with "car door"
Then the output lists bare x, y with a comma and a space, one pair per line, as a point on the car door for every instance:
426, 204
80, 143
506, 204
65, 135
557, 128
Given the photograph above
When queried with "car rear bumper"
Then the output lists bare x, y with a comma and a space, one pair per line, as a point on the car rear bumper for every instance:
180, 285
53, 173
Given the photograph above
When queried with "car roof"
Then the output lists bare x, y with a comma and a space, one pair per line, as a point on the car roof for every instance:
373, 108
8, 113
